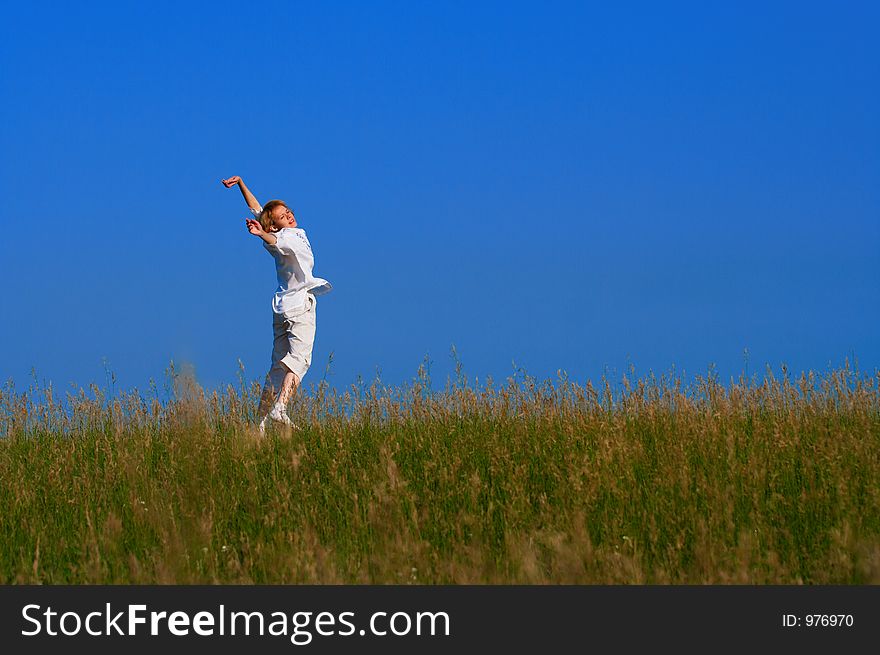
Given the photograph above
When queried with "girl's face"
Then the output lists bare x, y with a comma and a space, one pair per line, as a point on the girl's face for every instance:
282, 217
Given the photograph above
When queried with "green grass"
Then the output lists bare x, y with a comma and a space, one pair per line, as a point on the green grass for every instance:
764, 481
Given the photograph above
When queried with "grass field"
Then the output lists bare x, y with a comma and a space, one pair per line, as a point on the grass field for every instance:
659, 480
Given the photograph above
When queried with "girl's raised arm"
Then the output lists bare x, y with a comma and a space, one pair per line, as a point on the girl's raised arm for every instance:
248, 196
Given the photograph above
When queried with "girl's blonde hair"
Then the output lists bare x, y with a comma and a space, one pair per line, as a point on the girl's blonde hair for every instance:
266, 221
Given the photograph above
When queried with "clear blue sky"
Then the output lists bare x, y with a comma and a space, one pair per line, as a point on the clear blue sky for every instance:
564, 185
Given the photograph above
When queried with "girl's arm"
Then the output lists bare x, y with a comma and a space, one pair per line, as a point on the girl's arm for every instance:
248, 196
257, 230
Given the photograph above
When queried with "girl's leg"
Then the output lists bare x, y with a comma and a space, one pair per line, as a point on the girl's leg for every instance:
274, 406
292, 351
278, 389
267, 398
277, 374
288, 386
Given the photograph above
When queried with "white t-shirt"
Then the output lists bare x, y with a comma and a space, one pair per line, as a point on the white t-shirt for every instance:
293, 264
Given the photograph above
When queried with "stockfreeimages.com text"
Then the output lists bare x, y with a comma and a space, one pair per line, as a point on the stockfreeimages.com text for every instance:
300, 627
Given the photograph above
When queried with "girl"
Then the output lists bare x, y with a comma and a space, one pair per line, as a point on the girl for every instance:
293, 305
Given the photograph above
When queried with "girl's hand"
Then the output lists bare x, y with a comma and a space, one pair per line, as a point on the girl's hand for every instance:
231, 181
254, 227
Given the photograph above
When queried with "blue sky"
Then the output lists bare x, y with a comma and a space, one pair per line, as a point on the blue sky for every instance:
574, 186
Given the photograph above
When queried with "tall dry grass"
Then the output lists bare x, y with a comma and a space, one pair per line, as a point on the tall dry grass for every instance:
655, 480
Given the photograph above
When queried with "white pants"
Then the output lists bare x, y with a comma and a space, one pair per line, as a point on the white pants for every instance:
294, 338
